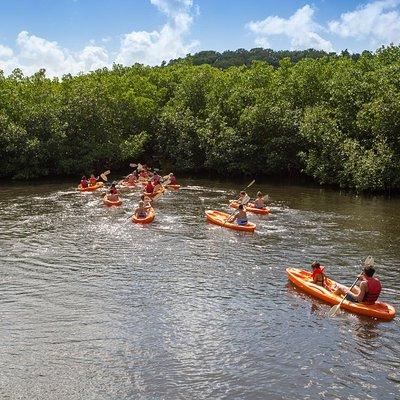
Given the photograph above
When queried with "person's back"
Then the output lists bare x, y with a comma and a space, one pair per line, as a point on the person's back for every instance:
149, 187
372, 287
141, 211
93, 180
240, 216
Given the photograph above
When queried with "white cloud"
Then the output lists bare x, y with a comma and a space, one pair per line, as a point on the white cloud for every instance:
377, 22
5, 52
32, 53
168, 42
300, 28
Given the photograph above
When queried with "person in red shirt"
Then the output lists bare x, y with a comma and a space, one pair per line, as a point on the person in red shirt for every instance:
368, 291
318, 275
84, 182
93, 180
172, 179
149, 187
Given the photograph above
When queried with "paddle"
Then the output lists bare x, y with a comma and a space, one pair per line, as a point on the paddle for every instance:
133, 165
369, 261
104, 174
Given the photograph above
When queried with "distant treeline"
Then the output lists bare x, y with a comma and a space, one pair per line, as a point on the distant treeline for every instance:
335, 119
246, 57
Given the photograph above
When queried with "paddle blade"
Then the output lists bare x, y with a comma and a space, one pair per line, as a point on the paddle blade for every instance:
332, 312
133, 165
103, 176
108, 172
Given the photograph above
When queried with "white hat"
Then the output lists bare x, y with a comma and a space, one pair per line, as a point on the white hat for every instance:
369, 262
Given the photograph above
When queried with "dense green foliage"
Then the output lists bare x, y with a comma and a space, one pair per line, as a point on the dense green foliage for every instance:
335, 119
246, 57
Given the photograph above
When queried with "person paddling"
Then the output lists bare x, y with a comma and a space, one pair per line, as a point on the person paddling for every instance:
141, 210
172, 179
243, 198
369, 289
84, 182
149, 187
318, 274
240, 216
93, 180
113, 193
259, 202
146, 201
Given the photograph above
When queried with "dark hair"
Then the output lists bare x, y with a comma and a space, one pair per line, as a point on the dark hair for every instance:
315, 264
240, 206
83, 177
369, 271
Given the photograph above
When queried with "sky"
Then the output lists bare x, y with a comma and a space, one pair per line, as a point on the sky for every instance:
72, 36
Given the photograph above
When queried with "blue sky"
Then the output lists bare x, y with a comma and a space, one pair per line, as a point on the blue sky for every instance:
81, 35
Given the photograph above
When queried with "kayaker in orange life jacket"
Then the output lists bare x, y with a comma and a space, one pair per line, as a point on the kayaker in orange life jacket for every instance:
318, 275
368, 291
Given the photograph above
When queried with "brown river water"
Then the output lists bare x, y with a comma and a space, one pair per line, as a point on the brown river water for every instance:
93, 306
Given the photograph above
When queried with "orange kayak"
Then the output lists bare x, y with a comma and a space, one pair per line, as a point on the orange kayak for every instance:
127, 184
219, 218
173, 186
98, 185
250, 207
302, 279
146, 220
154, 194
110, 203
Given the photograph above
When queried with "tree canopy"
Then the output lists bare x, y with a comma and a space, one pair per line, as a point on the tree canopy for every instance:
334, 119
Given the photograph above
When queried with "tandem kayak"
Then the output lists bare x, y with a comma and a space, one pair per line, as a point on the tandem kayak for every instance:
251, 208
110, 203
98, 185
146, 220
219, 218
302, 279
176, 187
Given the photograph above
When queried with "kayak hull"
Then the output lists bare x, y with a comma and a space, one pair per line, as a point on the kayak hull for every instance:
154, 194
250, 207
110, 203
147, 220
219, 218
302, 280
128, 185
98, 185
176, 187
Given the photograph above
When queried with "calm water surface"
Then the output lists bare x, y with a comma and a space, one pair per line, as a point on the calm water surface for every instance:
95, 307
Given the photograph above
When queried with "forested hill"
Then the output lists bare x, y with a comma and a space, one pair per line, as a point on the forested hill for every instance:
334, 119
246, 57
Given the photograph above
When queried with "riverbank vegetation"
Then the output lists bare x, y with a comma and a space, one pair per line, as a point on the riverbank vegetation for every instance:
334, 119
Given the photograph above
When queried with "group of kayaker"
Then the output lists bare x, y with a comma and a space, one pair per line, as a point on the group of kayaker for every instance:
367, 292
153, 187
240, 216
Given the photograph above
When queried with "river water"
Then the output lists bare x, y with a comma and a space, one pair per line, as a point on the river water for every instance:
95, 307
